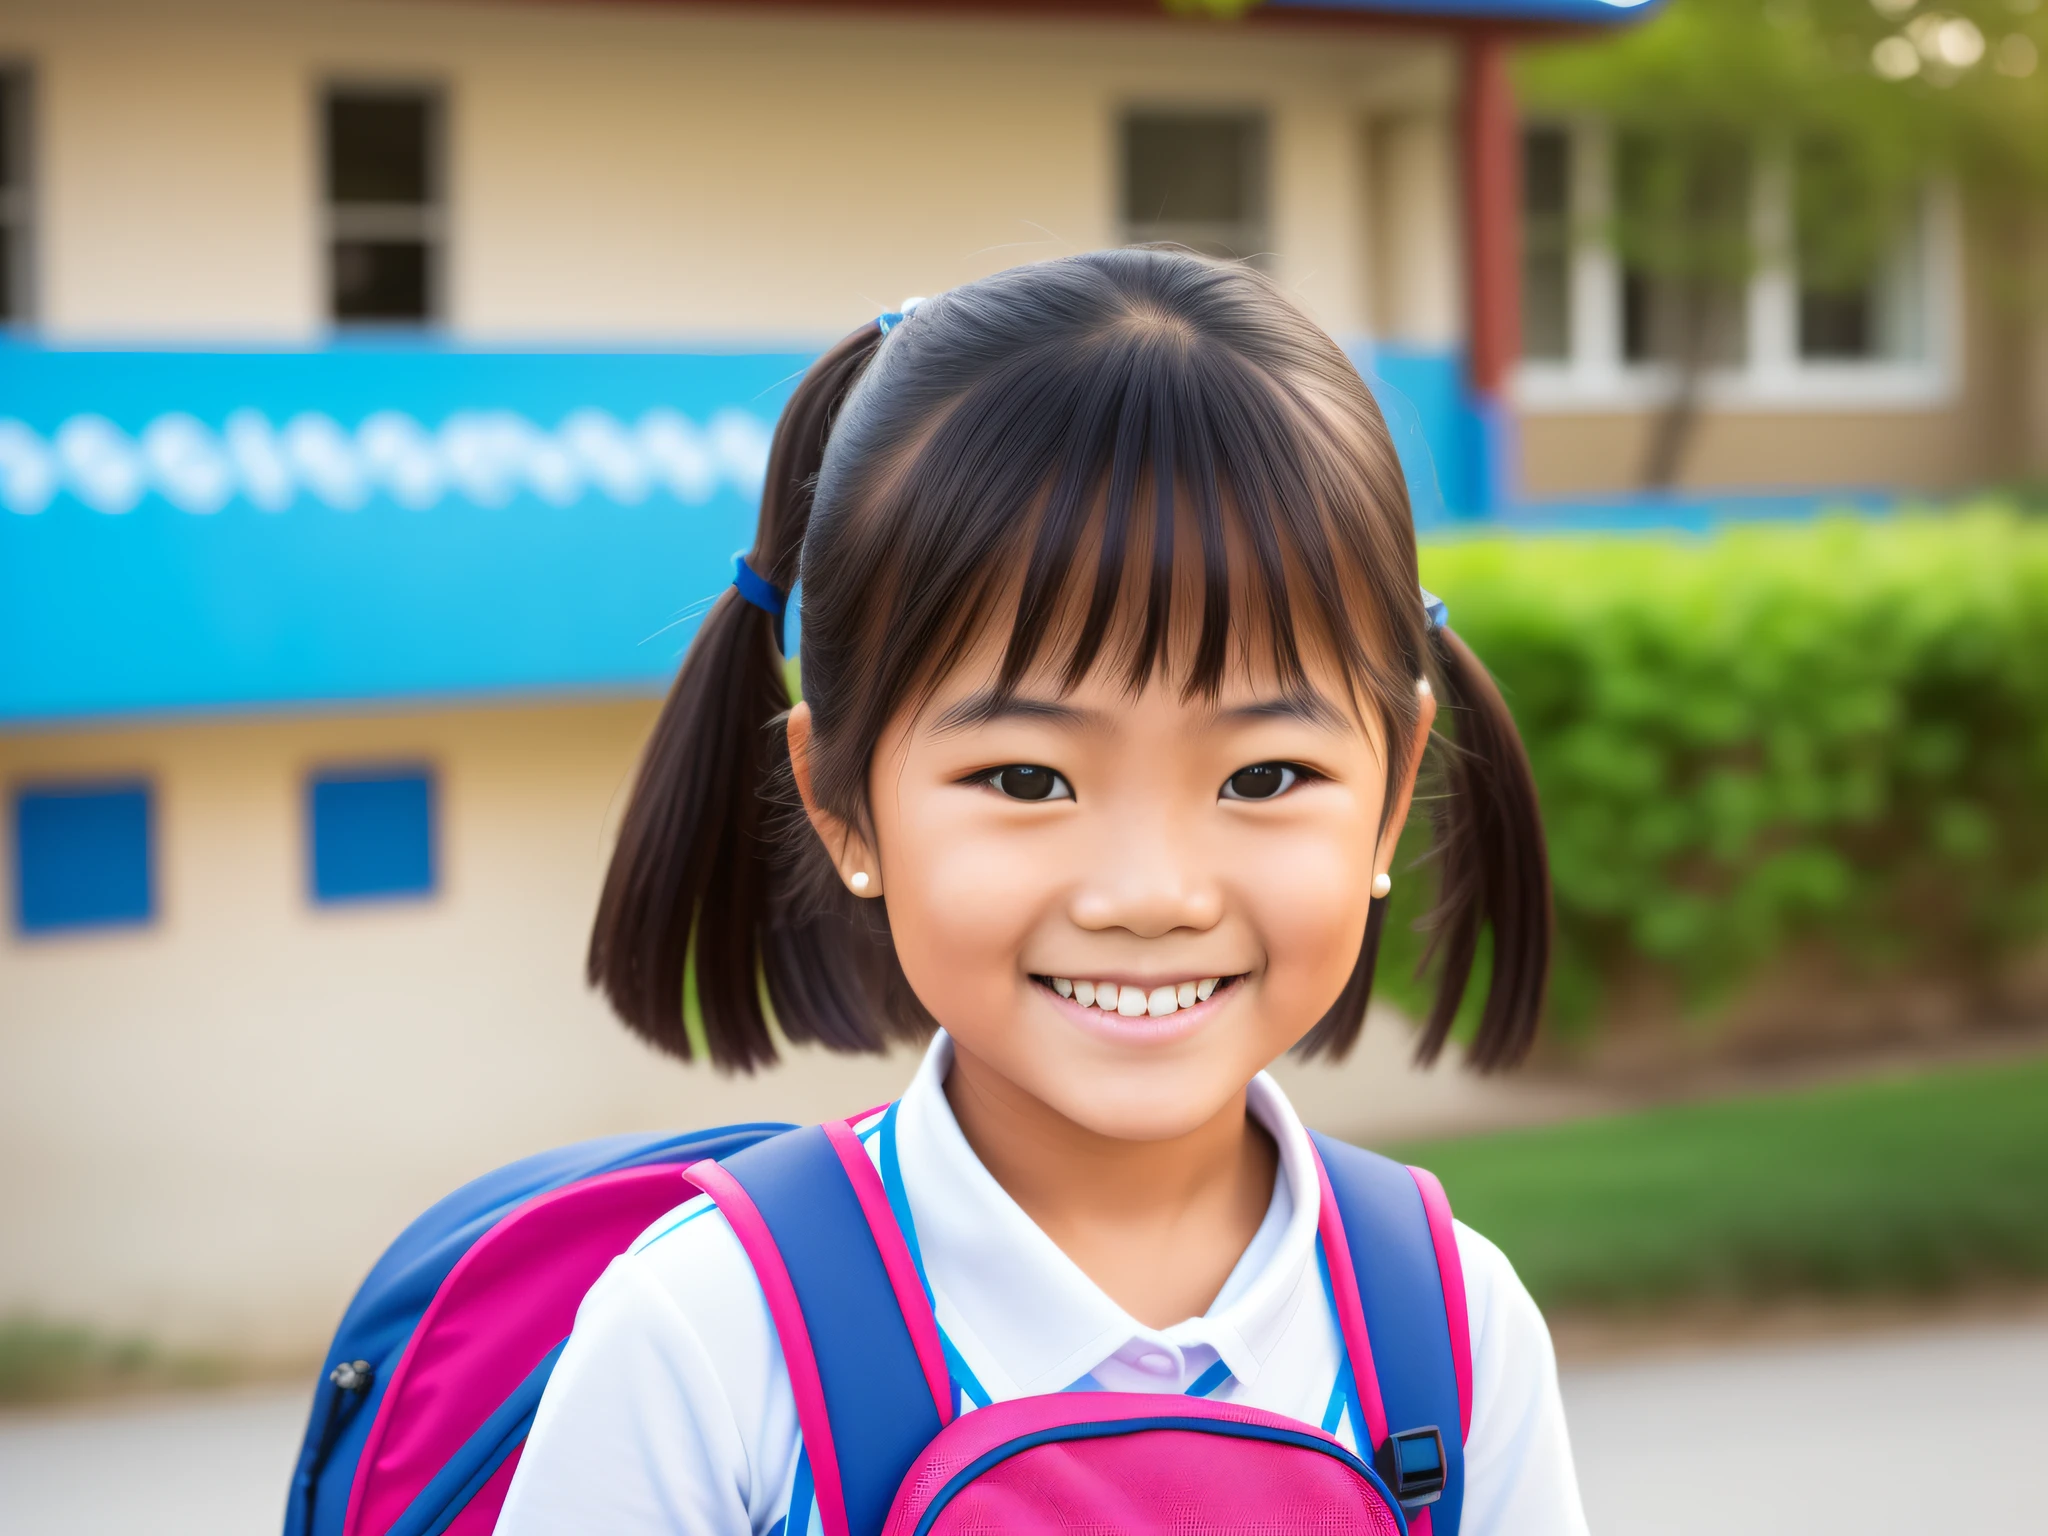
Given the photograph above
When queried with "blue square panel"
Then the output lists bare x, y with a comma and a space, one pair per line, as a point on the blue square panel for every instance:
81, 856
372, 833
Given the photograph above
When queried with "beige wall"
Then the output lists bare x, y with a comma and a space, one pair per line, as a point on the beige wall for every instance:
210, 1126
1932, 450
674, 172
649, 171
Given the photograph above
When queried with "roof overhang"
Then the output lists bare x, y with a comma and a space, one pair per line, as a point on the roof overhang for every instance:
1442, 15
1530, 13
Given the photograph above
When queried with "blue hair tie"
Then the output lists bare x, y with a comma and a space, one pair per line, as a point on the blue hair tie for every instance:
1435, 609
895, 317
757, 589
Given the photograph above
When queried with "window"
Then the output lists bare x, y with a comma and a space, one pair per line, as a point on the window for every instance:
1857, 274
1690, 207
1196, 179
1788, 284
385, 207
372, 833
16, 234
82, 857
1546, 243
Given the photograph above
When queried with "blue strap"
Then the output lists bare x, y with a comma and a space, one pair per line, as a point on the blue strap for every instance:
449, 1491
876, 1396
967, 1387
1344, 1392
803, 1501
1403, 1299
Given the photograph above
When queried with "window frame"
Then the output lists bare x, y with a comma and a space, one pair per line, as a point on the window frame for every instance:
18, 202
1259, 116
428, 222
1773, 375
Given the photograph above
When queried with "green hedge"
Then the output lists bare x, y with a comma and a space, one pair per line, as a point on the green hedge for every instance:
1831, 732
1902, 1186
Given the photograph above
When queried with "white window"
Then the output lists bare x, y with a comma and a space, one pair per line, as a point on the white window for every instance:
1599, 333
1196, 179
386, 206
17, 232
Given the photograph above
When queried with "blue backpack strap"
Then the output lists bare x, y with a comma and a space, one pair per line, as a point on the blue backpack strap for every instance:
1402, 1292
877, 1395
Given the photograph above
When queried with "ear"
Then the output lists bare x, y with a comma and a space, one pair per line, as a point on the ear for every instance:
849, 851
1404, 793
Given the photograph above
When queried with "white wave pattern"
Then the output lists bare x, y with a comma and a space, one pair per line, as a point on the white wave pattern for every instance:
486, 458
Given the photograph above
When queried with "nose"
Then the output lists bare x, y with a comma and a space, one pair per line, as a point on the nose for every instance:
1148, 877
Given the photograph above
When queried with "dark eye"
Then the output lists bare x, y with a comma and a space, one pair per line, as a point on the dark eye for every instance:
1261, 781
1028, 781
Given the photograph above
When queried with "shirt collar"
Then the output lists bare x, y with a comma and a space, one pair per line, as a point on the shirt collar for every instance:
1024, 1314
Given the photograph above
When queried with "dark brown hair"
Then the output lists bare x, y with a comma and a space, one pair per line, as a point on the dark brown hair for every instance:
971, 464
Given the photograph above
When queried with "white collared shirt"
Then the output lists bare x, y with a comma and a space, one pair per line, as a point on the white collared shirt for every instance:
670, 1410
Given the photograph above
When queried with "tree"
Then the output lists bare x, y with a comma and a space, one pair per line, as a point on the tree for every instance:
1863, 100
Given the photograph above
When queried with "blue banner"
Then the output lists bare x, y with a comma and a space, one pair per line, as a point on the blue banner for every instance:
205, 530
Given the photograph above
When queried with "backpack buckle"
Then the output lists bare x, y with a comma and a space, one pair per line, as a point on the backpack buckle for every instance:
1412, 1464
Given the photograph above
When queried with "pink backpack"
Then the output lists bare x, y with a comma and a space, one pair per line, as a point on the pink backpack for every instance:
424, 1442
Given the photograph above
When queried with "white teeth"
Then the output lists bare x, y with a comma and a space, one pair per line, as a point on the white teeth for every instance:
1136, 1002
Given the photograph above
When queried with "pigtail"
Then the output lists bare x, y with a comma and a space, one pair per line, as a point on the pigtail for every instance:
1493, 870
692, 881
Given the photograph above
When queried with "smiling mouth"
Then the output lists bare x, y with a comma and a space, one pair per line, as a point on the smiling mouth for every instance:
1132, 1002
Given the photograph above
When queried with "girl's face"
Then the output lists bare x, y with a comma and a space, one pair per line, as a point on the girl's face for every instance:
1207, 864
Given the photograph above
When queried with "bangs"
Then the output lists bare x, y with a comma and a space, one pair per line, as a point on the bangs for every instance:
1174, 508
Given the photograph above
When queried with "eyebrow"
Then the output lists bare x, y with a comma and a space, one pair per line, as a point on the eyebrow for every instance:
1303, 704
983, 708
989, 705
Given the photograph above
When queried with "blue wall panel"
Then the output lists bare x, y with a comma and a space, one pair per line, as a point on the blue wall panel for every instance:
204, 531
182, 531
82, 856
1440, 436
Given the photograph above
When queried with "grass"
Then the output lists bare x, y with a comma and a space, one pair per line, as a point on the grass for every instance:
1895, 1188
42, 1361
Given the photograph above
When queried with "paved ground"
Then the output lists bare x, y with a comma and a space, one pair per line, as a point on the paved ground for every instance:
1905, 1432
202, 1466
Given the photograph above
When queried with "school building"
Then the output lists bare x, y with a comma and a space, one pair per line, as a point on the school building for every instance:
387, 383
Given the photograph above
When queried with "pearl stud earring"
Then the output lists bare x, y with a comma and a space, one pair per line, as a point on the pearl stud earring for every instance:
860, 880
1381, 884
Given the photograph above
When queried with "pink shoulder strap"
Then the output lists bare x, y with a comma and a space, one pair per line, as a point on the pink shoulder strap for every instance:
740, 1213
1350, 1311
1444, 1238
911, 1300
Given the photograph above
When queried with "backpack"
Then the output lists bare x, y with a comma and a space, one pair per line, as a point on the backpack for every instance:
431, 1384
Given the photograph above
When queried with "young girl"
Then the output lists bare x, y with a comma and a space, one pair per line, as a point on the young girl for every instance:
1117, 680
